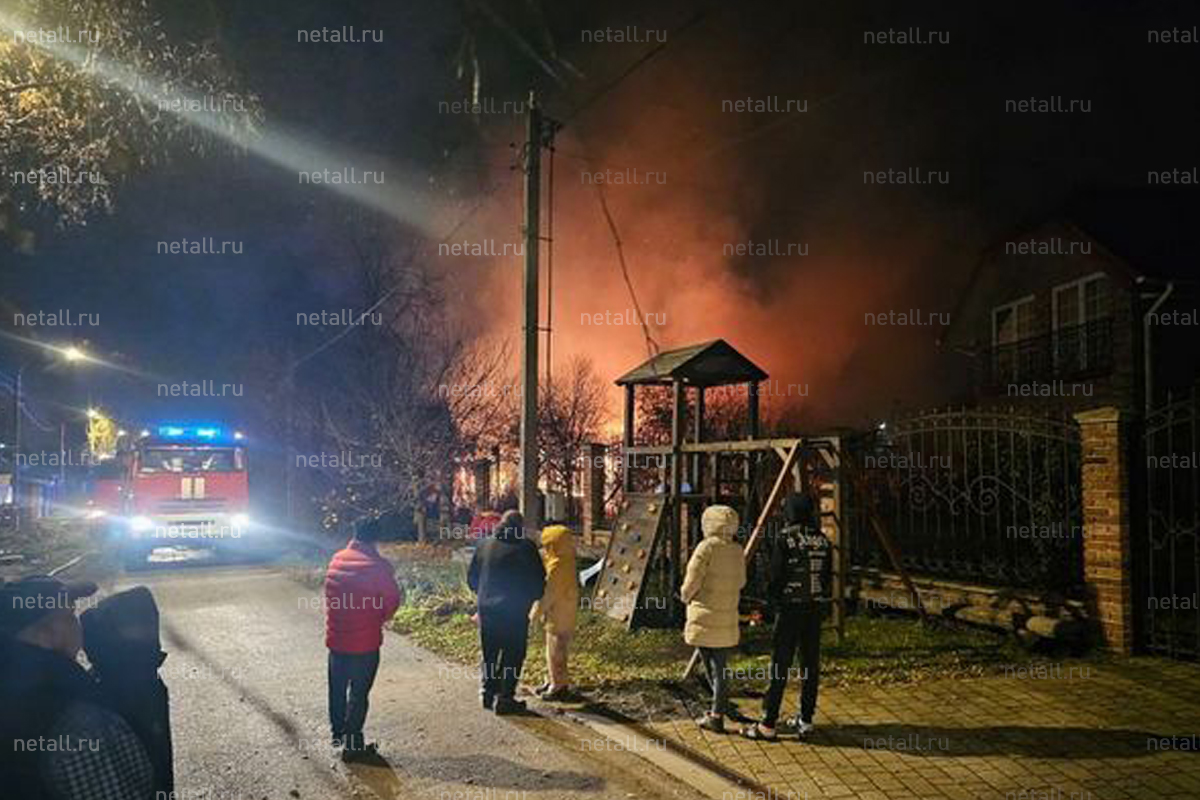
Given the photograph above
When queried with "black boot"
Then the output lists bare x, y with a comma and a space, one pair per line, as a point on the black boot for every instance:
509, 705
358, 749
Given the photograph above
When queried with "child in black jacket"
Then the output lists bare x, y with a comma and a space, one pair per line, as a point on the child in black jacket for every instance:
801, 570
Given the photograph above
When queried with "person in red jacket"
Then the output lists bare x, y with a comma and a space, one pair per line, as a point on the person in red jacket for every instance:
361, 595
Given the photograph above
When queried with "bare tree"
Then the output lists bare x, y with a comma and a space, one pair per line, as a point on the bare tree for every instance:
405, 399
570, 411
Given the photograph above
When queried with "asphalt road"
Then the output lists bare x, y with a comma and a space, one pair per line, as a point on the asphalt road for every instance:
246, 671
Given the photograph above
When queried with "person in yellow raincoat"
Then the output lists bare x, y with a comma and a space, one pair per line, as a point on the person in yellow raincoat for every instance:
557, 608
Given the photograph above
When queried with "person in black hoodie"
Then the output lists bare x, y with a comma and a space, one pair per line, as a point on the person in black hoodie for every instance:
507, 576
58, 738
120, 638
799, 586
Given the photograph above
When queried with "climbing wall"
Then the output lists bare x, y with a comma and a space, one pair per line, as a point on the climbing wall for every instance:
637, 529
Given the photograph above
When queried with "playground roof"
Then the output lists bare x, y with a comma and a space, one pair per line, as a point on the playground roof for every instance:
712, 363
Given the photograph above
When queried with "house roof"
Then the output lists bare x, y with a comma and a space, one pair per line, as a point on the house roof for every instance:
1151, 232
712, 363
1154, 230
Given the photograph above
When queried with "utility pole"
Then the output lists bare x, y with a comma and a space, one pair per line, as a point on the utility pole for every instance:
289, 389
62, 452
534, 135
16, 467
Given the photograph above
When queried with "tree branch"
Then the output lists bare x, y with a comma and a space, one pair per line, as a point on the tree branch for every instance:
24, 87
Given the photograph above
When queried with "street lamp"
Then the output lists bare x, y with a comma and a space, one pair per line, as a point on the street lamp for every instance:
70, 353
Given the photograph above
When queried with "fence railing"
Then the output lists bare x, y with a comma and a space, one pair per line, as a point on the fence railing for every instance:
1075, 351
991, 498
1170, 555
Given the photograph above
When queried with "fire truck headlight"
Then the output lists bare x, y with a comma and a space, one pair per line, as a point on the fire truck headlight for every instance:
141, 524
240, 521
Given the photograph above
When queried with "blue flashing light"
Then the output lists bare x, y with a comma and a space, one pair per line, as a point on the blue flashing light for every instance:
192, 432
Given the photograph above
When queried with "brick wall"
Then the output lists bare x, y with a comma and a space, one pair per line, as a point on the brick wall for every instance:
1007, 277
1107, 551
593, 488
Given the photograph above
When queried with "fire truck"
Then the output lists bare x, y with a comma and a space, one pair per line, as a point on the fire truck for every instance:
186, 486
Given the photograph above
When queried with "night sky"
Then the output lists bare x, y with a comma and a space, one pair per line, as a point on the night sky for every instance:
731, 177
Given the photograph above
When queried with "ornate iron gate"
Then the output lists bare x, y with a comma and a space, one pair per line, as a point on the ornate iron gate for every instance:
993, 498
1170, 557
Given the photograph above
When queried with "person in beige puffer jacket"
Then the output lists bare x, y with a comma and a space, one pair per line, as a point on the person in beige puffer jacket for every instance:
716, 573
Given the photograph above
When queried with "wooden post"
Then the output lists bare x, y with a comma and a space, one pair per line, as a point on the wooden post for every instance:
752, 394
840, 538
678, 420
751, 469
698, 437
714, 474
627, 441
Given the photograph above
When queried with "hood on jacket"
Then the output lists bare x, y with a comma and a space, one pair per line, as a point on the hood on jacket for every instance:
558, 540
719, 522
511, 527
122, 632
798, 509
558, 544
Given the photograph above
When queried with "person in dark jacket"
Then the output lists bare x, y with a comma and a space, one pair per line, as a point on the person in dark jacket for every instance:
58, 740
799, 586
507, 576
361, 595
121, 640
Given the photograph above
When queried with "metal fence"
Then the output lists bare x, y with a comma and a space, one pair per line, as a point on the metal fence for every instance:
1169, 556
993, 498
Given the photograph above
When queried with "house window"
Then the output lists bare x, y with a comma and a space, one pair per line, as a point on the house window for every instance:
1012, 330
1081, 311
1012, 322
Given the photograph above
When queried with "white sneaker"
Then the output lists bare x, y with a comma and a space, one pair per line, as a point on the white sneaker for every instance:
804, 728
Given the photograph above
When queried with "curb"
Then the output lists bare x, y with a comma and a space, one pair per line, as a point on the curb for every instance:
68, 565
702, 774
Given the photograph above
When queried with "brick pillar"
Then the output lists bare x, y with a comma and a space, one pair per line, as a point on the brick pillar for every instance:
445, 511
483, 484
1107, 550
593, 487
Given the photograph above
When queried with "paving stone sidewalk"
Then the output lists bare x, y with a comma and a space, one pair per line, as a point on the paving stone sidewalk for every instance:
1122, 729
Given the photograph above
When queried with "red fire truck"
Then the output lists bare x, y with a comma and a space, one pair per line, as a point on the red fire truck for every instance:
107, 482
186, 487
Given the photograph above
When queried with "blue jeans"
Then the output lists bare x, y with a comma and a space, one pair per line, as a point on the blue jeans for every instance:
350, 678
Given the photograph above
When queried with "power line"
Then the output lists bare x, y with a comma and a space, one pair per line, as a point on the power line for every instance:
634, 67
652, 347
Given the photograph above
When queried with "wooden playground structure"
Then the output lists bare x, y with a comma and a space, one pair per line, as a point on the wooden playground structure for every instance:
656, 531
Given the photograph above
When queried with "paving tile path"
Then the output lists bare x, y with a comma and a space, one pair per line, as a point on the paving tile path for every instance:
1122, 729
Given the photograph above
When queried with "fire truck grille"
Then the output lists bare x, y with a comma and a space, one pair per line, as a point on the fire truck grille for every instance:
192, 504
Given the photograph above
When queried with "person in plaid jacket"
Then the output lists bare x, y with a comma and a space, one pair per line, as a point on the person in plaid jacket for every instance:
57, 740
